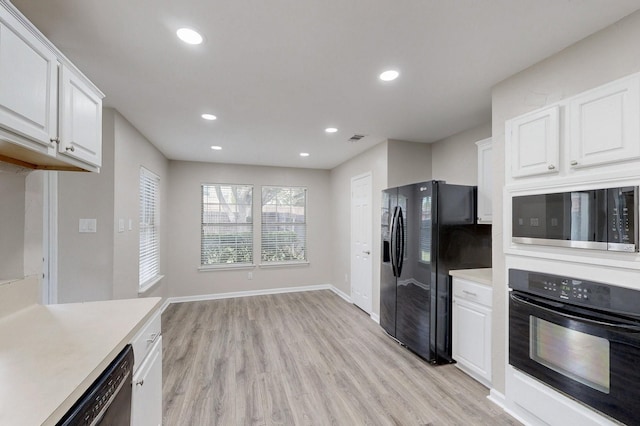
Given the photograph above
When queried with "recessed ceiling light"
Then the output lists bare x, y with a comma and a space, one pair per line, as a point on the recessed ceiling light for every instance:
330, 130
304, 154
209, 117
216, 147
389, 75
189, 36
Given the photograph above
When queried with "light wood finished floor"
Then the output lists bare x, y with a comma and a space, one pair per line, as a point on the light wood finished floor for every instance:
304, 359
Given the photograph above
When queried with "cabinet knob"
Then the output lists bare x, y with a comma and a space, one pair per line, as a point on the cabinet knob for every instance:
574, 163
55, 140
70, 148
551, 167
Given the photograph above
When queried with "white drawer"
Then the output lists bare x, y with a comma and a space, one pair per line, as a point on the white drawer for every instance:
469, 290
144, 340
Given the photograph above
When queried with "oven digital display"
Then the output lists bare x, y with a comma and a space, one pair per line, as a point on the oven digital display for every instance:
579, 356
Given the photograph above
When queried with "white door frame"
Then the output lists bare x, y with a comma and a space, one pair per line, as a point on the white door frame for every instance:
49, 292
368, 308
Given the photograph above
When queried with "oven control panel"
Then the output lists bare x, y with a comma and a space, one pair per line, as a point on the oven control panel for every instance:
568, 289
575, 291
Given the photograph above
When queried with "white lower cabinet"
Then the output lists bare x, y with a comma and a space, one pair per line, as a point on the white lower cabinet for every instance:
471, 345
146, 400
146, 407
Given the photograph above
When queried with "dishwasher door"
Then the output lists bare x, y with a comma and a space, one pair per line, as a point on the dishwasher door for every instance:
108, 399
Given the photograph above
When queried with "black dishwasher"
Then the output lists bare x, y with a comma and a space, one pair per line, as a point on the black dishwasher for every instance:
107, 402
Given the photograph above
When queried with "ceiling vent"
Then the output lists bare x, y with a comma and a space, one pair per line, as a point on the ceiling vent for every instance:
355, 138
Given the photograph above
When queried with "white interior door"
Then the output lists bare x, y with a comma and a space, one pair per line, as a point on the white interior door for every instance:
361, 236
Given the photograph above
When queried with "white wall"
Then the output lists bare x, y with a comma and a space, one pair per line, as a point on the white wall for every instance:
85, 260
133, 150
183, 224
104, 265
12, 208
604, 56
34, 224
455, 159
374, 161
407, 163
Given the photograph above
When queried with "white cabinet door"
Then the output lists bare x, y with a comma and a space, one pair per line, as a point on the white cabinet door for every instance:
80, 119
471, 346
535, 143
485, 181
605, 124
146, 404
28, 83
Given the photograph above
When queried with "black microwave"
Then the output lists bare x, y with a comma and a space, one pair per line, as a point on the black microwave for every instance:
600, 219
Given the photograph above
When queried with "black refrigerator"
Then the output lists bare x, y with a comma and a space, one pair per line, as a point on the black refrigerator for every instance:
428, 229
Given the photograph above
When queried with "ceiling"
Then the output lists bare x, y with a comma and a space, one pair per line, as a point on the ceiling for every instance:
276, 73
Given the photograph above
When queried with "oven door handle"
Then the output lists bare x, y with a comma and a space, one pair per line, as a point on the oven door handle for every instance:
617, 326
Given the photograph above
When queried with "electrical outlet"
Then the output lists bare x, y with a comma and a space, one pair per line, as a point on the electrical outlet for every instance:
250, 276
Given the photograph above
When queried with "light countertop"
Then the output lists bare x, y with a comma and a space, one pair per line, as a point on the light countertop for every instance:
482, 275
50, 355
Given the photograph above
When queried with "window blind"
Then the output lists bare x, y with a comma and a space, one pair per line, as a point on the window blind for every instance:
149, 232
227, 224
284, 224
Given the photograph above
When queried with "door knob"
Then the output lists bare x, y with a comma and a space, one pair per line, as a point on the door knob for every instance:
367, 252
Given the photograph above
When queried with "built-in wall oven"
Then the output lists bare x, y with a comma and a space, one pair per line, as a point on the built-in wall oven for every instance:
579, 337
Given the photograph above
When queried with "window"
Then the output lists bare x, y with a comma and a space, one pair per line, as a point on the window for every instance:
149, 229
284, 224
227, 225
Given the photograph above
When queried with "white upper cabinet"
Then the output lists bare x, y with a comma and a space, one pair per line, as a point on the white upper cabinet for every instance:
593, 135
50, 114
485, 181
80, 119
605, 124
535, 143
28, 83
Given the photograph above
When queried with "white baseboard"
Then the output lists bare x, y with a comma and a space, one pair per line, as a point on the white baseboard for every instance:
165, 304
500, 400
497, 398
341, 293
216, 296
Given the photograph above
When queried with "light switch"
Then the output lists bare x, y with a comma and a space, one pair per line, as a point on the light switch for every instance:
130, 224
120, 225
88, 225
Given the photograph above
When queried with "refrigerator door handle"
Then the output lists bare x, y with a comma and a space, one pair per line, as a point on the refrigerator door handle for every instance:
401, 238
392, 238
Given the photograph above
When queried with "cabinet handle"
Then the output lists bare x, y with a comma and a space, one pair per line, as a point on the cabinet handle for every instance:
140, 382
470, 293
551, 167
70, 148
574, 163
367, 252
153, 337
55, 140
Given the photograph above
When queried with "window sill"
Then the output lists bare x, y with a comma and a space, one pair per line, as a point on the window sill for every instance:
284, 264
150, 284
210, 268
